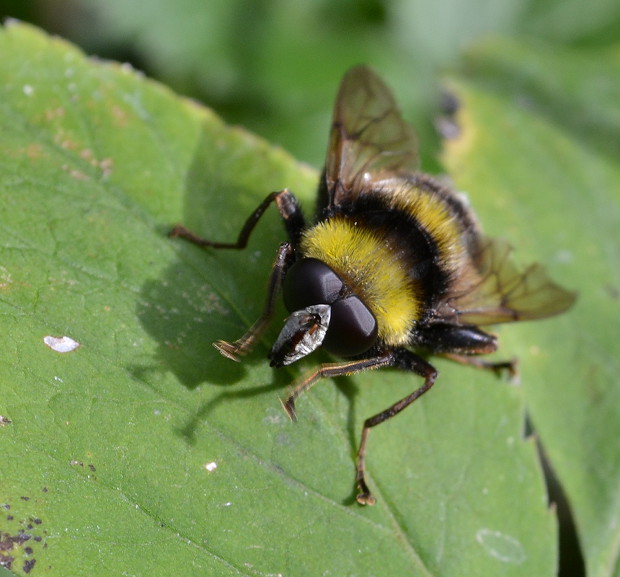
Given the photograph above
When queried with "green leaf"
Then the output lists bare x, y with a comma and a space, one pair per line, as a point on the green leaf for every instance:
144, 451
541, 134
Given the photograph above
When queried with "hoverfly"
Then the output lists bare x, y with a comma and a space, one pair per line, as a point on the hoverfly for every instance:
393, 264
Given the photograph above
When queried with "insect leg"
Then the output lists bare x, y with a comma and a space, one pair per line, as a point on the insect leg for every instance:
462, 344
289, 210
497, 367
294, 223
332, 370
244, 345
398, 358
408, 361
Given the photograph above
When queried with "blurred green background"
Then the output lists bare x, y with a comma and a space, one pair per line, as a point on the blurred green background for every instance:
273, 66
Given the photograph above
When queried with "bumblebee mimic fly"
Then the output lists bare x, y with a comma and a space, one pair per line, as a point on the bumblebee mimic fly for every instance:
394, 264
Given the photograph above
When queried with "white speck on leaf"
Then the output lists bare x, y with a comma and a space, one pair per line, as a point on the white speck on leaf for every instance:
211, 466
501, 546
61, 344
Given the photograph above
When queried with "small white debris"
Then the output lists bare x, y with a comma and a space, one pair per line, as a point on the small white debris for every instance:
211, 466
61, 344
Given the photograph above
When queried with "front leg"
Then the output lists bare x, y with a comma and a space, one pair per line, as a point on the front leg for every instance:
289, 209
284, 258
294, 223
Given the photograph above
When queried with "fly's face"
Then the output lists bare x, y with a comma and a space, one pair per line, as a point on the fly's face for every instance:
324, 313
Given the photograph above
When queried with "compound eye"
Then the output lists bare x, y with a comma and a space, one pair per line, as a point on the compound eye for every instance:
310, 282
352, 328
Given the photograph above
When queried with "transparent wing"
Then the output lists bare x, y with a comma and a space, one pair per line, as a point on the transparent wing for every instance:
503, 293
369, 141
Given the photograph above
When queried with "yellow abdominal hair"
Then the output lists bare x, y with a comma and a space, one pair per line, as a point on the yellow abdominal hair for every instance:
373, 271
